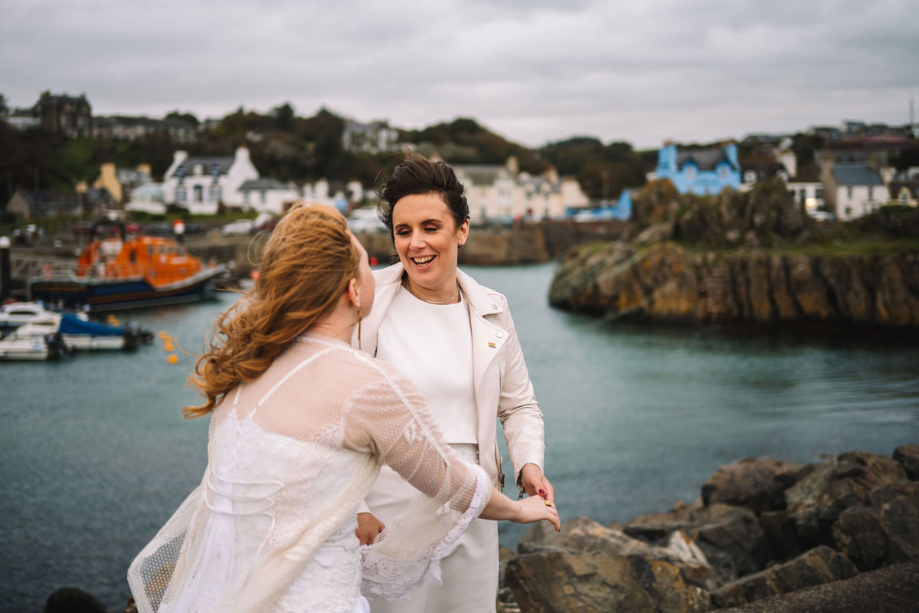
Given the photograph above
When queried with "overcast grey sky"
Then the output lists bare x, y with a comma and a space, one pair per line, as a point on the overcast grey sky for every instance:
532, 70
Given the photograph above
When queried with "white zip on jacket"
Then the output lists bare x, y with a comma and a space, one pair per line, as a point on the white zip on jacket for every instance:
502, 384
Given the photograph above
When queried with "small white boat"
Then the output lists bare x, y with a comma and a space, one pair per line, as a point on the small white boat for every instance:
17, 314
29, 348
78, 334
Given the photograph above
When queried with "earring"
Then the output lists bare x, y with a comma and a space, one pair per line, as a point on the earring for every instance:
360, 318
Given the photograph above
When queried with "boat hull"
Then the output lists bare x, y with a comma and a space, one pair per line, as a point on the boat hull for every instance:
29, 349
128, 293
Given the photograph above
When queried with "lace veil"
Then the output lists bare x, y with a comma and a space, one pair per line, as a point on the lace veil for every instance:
290, 456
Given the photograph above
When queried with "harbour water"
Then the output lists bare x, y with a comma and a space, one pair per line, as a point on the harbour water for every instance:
95, 455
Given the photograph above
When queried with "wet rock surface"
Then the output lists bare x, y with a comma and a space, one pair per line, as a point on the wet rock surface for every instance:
908, 457
793, 536
894, 589
885, 530
815, 502
815, 567
565, 581
756, 484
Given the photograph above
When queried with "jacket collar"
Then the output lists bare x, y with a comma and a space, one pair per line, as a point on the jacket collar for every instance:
389, 279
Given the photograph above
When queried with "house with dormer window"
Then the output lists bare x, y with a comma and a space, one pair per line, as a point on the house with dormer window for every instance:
268, 195
854, 189
905, 193
699, 170
201, 184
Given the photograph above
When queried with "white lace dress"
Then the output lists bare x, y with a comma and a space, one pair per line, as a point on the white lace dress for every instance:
290, 456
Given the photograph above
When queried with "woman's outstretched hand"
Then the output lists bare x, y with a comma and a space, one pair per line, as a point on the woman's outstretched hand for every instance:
368, 528
536, 508
535, 483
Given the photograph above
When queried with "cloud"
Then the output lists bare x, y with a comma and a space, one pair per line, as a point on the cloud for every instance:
532, 70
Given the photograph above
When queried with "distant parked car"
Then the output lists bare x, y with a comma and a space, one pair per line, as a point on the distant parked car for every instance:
240, 227
82, 228
159, 228
823, 216
193, 227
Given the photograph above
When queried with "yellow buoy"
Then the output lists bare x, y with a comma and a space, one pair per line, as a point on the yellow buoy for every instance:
162, 334
173, 358
168, 346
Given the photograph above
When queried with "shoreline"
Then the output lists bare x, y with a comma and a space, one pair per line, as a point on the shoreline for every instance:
765, 535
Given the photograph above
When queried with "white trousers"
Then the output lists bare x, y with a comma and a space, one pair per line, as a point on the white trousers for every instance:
469, 570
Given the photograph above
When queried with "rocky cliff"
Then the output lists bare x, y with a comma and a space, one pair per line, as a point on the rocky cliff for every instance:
742, 257
668, 283
766, 535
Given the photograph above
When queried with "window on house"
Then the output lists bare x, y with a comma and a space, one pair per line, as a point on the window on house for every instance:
849, 192
749, 176
246, 197
690, 172
819, 193
904, 197
263, 196
199, 193
214, 193
181, 194
723, 172
870, 193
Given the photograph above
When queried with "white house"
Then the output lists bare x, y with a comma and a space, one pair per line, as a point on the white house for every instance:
501, 193
268, 195
339, 196
489, 191
147, 198
372, 137
810, 194
858, 191
200, 184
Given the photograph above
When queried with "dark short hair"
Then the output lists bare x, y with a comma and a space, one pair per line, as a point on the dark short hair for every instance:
417, 174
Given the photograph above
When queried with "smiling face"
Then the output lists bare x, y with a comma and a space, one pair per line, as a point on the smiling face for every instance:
427, 239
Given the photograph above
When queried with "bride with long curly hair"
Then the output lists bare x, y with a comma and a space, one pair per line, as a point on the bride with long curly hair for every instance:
300, 425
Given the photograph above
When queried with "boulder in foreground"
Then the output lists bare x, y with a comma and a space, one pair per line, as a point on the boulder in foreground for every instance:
884, 531
815, 567
894, 589
558, 581
817, 500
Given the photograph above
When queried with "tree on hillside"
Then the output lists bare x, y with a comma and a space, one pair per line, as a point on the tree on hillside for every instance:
602, 170
284, 116
465, 141
189, 117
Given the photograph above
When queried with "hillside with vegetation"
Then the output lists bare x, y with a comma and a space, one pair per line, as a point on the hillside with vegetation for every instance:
288, 147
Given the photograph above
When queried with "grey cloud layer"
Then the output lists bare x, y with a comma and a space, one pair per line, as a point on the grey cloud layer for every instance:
534, 71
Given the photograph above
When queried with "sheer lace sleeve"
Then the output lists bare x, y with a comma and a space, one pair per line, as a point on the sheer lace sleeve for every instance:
389, 417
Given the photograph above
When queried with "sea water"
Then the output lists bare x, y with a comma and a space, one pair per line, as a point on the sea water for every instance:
95, 455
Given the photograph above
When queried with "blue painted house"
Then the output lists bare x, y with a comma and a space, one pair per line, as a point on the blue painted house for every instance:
700, 171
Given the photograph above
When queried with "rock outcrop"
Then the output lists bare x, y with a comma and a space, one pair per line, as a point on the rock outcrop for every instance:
561, 581
815, 567
763, 531
908, 456
815, 502
756, 484
883, 531
664, 282
894, 589
744, 257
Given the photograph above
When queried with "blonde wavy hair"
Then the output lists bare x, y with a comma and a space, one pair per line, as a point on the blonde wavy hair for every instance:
306, 266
